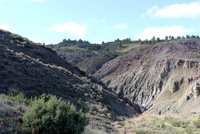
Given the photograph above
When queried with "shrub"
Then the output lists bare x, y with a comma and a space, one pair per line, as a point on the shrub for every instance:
189, 130
197, 122
140, 132
38, 53
169, 118
50, 115
28, 46
176, 123
24, 43
20, 98
15, 36
159, 123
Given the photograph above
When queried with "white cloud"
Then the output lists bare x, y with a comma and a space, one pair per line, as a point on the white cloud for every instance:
191, 10
121, 26
5, 27
2, 0
70, 27
124, 37
151, 11
162, 32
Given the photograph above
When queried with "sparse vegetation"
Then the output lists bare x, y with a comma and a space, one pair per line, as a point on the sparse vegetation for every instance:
162, 124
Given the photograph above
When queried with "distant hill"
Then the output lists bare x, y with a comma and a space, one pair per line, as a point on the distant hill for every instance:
89, 57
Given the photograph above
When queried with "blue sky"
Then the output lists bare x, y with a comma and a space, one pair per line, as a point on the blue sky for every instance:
51, 21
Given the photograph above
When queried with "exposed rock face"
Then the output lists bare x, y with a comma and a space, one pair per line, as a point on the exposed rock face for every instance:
179, 91
142, 88
159, 75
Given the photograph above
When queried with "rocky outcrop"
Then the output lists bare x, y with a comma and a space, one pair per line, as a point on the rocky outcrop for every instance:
180, 92
162, 75
142, 88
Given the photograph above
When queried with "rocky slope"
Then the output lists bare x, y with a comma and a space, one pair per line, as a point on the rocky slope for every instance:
34, 69
163, 77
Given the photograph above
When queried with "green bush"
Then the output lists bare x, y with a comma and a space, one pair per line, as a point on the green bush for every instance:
189, 130
24, 43
140, 132
197, 122
20, 98
15, 36
38, 53
28, 46
176, 123
50, 115
159, 123
169, 118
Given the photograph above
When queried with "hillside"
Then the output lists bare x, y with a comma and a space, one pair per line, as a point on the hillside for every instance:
159, 78
89, 57
34, 69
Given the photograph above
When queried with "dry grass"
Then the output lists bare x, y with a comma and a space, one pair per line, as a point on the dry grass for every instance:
160, 124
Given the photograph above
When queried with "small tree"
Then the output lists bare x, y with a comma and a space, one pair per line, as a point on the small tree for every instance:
120, 44
158, 39
193, 36
153, 38
166, 38
178, 37
50, 115
187, 36
107, 49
